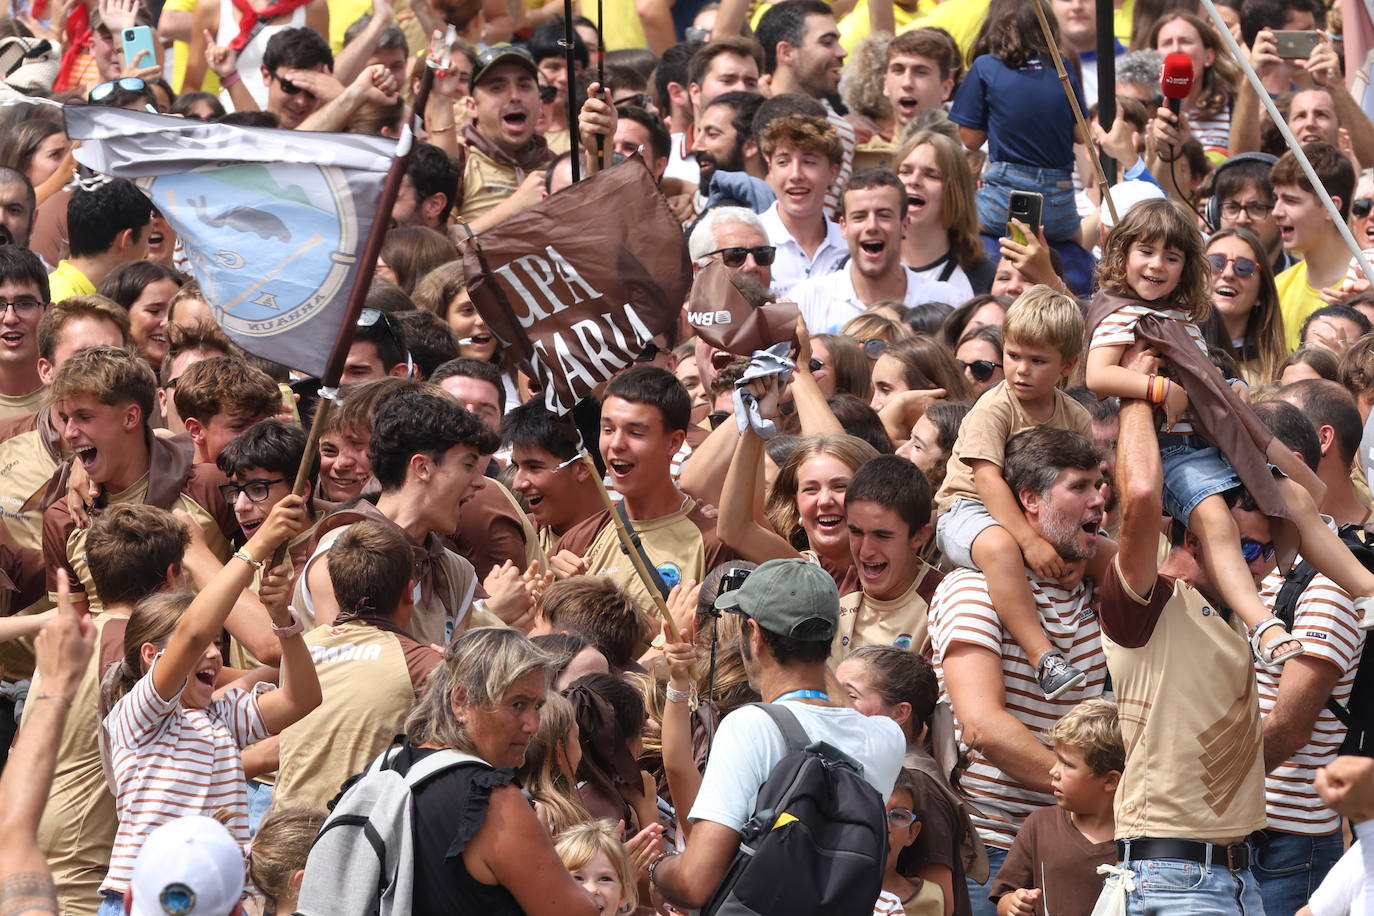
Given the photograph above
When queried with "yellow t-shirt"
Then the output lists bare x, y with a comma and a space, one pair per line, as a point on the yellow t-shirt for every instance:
181, 53
622, 28
854, 27
963, 19
66, 281
1297, 300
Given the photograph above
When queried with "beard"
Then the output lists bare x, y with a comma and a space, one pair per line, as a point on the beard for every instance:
1063, 533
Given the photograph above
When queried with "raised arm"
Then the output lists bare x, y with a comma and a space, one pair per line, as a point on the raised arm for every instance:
741, 524
300, 686
1139, 483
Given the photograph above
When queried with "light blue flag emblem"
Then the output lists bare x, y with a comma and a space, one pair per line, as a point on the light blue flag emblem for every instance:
273, 221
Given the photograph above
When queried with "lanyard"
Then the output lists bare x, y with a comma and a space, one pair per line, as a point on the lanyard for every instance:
804, 695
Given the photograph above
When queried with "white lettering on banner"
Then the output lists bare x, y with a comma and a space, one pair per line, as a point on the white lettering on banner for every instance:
605, 355
544, 276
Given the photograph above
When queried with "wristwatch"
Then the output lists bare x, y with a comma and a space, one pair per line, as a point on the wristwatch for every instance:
295, 628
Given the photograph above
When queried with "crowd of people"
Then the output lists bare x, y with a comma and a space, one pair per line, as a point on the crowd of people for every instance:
1044, 526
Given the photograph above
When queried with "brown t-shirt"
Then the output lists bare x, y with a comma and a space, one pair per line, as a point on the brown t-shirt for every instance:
941, 837
492, 529
984, 434
1051, 854
1189, 711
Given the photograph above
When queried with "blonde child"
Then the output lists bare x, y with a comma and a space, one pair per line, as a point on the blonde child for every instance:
173, 746
599, 863
276, 863
1153, 278
1052, 866
981, 525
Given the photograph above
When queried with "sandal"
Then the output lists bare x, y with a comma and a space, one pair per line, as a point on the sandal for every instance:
1271, 657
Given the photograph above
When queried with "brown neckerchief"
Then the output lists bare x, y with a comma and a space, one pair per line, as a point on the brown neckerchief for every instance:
169, 468
429, 566
1217, 413
533, 155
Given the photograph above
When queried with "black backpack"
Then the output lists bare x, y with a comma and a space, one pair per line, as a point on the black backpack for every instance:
817, 842
1358, 716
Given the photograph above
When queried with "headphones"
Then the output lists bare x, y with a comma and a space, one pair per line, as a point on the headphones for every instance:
1213, 214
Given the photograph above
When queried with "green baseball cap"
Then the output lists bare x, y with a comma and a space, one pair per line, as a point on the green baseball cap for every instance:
793, 598
502, 54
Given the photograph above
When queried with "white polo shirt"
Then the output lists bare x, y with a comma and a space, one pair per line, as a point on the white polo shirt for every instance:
827, 302
791, 265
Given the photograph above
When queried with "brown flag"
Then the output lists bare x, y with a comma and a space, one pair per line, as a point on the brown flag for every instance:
577, 286
723, 318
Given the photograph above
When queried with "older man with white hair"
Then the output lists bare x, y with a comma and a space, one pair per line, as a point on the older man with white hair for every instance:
736, 236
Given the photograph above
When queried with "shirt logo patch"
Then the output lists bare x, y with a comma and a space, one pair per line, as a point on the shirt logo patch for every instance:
903, 641
670, 573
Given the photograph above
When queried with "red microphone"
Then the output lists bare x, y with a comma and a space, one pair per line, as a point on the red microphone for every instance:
1176, 80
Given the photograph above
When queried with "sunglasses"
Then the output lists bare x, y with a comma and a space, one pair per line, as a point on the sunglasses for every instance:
128, 84
874, 347
547, 94
1244, 267
650, 352
980, 369
638, 100
1252, 550
290, 88
1360, 207
734, 256
814, 364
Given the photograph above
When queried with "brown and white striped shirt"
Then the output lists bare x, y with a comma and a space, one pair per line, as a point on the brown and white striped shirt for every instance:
962, 612
169, 762
1325, 622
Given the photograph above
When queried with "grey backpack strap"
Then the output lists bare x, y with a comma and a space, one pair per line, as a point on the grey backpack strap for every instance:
792, 732
436, 763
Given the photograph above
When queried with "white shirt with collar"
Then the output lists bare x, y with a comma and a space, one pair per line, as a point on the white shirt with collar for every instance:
827, 302
791, 265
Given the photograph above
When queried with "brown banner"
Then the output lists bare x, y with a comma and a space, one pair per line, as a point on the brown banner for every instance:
576, 286
722, 317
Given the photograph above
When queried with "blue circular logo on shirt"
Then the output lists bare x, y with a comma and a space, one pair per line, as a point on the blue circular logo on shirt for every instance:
670, 573
903, 641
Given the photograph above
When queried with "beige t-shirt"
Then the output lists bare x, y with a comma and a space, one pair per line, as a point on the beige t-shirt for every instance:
79, 821
369, 677
18, 405
26, 466
1189, 713
983, 435
900, 622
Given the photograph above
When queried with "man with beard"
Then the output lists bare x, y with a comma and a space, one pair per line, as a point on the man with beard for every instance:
873, 217
802, 54
727, 151
1193, 787
500, 139
17, 207
986, 677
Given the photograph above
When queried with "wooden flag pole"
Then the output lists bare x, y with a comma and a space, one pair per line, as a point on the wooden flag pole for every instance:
1077, 111
627, 545
362, 281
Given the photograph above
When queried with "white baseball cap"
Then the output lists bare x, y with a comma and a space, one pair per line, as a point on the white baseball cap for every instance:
1127, 194
191, 866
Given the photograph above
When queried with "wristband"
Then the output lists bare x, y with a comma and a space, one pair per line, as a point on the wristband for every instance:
295, 628
653, 866
50, 696
677, 696
231, 80
243, 555
442, 130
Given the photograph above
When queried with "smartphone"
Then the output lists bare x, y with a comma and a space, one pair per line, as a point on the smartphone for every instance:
1296, 45
1025, 206
138, 41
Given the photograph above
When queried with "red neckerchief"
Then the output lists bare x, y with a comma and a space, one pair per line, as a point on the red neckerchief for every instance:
78, 38
251, 17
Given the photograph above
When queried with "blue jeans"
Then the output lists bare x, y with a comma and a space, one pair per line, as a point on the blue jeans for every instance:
1059, 214
260, 796
1290, 866
111, 904
978, 893
1168, 887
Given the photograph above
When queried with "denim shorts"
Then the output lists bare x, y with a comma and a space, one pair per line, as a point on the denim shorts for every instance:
1059, 215
958, 528
1194, 469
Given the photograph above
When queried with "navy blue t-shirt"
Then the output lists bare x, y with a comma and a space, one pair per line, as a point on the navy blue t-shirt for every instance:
1025, 113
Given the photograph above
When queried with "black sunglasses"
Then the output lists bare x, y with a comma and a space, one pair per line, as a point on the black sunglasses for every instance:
547, 94
649, 353
980, 369
1244, 267
638, 100
1360, 207
734, 256
874, 347
289, 87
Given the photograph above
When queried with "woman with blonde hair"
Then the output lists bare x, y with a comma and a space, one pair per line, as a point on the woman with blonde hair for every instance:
549, 773
942, 241
874, 331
